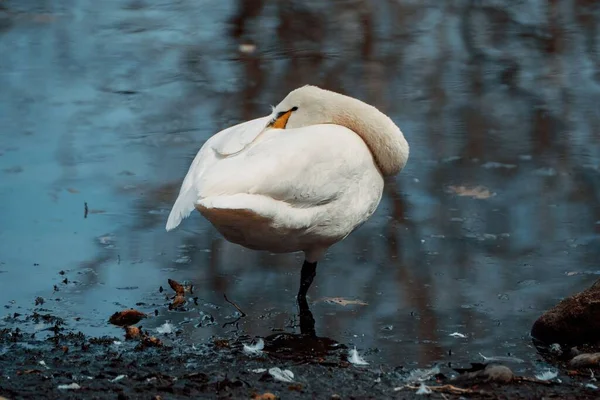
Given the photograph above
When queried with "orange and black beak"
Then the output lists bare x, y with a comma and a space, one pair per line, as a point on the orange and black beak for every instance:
281, 119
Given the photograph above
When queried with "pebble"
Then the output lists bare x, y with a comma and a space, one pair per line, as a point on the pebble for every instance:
585, 360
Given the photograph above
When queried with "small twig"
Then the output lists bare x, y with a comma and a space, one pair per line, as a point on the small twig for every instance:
235, 305
444, 388
226, 324
85, 210
532, 380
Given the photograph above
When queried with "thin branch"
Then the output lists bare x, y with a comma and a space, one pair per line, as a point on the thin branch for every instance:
235, 305
444, 388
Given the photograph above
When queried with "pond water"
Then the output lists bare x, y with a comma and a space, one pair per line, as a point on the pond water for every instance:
495, 218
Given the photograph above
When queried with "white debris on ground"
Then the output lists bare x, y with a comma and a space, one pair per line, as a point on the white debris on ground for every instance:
254, 349
118, 378
591, 386
547, 375
501, 359
423, 389
284, 375
166, 328
458, 335
259, 370
420, 375
71, 386
117, 343
43, 364
355, 358
555, 348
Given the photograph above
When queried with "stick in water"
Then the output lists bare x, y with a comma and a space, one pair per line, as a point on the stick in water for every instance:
235, 305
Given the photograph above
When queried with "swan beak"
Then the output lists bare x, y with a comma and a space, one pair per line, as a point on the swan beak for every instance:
281, 120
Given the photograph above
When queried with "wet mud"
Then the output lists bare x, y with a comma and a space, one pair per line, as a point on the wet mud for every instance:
73, 365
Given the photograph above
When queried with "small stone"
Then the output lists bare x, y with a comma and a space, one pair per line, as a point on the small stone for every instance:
585, 360
491, 373
498, 373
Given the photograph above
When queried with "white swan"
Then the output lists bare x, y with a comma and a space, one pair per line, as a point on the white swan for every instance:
300, 179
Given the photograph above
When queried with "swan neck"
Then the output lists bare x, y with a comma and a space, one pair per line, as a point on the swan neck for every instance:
383, 137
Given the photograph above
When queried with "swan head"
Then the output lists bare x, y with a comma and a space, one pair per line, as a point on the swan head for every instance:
310, 105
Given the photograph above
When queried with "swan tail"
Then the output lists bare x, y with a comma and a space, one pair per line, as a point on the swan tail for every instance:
183, 207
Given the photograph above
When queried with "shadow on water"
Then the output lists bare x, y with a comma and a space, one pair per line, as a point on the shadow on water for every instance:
495, 218
305, 346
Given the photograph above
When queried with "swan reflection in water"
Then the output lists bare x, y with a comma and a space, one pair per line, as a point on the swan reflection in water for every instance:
303, 347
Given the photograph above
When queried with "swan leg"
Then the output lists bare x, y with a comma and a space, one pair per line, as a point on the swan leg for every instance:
307, 321
309, 270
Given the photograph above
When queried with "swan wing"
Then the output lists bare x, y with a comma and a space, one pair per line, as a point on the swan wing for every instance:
228, 142
304, 167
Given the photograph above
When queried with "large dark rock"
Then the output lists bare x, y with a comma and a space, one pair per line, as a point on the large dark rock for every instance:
574, 321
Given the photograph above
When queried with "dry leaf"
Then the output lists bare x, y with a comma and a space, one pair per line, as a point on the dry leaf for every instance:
295, 387
29, 371
221, 343
132, 332
151, 341
177, 287
178, 301
264, 396
71, 190
127, 317
477, 192
343, 302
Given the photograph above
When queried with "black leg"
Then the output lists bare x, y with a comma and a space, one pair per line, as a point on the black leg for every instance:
309, 270
307, 322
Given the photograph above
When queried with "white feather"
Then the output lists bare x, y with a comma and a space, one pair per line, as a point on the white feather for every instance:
355, 358
254, 349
